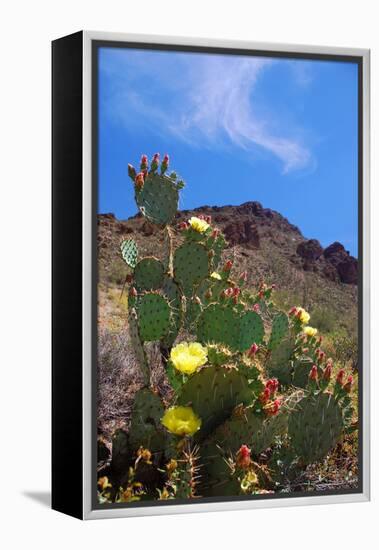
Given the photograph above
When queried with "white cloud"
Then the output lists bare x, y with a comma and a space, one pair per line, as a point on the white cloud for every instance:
203, 100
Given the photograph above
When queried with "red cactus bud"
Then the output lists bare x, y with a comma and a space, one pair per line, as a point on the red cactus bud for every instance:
272, 385
228, 266
340, 376
166, 159
261, 294
133, 291
208, 294
256, 308
305, 350
140, 180
349, 383
273, 286
321, 355
243, 457
293, 311
327, 372
236, 291
144, 162
273, 409
254, 348
215, 233
313, 375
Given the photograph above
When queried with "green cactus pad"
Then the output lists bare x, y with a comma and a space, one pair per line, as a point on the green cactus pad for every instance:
213, 392
138, 346
154, 316
244, 428
315, 426
145, 424
219, 325
279, 364
223, 325
278, 331
251, 330
301, 370
191, 266
148, 274
129, 252
158, 199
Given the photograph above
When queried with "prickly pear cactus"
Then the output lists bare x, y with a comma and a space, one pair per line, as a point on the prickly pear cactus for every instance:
154, 315
148, 274
158, 199
279, 330
213, 392
315, 426
129, 252
191, 266
223, 325
234, 364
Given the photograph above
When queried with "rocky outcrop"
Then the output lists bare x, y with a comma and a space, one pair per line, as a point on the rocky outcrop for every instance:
256, 231
310, 250
242, 232
346, 265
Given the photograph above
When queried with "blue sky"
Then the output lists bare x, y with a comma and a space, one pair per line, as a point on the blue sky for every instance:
237, 128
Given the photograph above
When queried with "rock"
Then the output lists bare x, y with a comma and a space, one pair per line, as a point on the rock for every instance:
345, 265
348, 270
242, 232
310, 250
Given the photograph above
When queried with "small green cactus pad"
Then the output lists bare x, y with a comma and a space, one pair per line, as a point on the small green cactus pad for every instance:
278, 331
301, 370
138, 346
120, 452
191, 266
279, 363
154, 316
219, 325
129, 252
223, 325
158, 199
315, 426
148, 274
251, 330
145, 423
213, 392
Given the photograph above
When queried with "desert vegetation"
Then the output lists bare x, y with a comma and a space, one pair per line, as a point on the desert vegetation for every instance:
210, 383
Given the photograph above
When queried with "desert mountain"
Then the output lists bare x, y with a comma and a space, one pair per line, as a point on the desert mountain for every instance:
264, 243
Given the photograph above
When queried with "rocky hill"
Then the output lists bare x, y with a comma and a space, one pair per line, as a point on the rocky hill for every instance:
265, 244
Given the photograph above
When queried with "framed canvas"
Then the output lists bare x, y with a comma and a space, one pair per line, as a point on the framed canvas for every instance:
210, 275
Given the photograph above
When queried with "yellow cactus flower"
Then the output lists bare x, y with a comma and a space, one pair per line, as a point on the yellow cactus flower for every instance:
187, 358
181, 421
310, 331
303, 315
216, 276
249, 481
198, 225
